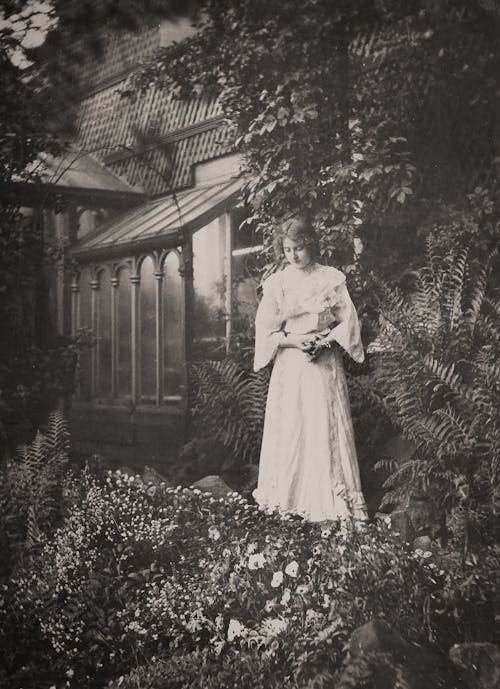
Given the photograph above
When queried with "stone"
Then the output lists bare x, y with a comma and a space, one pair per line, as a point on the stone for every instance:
151, 475
376, 635
213, 484
423, 543
400, 524
379, 657
481, 662
424, 516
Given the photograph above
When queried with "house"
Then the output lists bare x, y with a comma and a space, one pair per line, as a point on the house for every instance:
153, 196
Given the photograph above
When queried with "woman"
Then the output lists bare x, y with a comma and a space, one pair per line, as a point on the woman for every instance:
308, 462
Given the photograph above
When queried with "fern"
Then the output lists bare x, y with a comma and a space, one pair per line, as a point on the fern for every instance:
437, 376
31, 487
230, 402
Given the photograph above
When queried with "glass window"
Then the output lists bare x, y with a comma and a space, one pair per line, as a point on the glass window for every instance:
104, 333
124, 333
209, 248
247, 261
148, 331
173, 325
85, 295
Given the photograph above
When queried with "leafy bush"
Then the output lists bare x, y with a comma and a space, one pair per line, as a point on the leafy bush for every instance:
437, 376
33, 381
140, 572
31, 490
229, 402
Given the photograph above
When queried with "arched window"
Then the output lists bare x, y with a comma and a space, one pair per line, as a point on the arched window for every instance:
124, 341
173, 326
104, 335
147, 331
85, 312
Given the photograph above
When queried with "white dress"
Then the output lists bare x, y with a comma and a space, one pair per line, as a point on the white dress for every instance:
308, 462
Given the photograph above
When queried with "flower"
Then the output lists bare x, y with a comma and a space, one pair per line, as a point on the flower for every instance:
235, 629
302, 589
268, 607
326, 533
427, 554
251, 548
213, 533
277, 579
273, 626
256, 561
292, 568
285, 598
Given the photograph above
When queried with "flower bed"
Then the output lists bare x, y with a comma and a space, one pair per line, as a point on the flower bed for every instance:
176, 586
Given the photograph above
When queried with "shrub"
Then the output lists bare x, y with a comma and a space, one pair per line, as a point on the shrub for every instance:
230, 402
437, 377
138, 572
31, 490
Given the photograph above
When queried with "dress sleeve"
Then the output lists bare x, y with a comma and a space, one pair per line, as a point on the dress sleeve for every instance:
347, 332
268, 324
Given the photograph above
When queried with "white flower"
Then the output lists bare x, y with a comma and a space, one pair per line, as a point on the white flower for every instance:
213, 533
277, 579
327, 599
419, 552
427, 554
235, 629
285, 598
256, 561
251, 548
268, 607
70, 673
326, 533
302, 589
292, 568
341, 549
273, 626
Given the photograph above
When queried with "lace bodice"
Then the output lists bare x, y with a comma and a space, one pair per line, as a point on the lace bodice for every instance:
305, 301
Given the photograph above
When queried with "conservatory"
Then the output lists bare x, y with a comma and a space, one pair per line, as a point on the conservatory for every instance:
154, 287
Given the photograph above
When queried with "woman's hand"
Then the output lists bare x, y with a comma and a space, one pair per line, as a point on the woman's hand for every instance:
293, 341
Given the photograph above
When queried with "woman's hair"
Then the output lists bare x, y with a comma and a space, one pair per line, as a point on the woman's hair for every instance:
298, 228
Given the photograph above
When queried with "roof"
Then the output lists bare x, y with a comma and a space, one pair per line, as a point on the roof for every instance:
83, 171
161, 222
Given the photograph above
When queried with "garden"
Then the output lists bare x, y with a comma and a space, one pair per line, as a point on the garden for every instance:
115, 582
382, 121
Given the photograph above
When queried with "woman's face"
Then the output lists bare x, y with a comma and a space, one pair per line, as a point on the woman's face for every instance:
296, 253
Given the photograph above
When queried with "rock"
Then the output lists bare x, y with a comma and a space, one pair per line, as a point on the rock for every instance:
424, 516
376, 635
481, 662
423, 543
419, 518
381, 659
401, 525
213, 484
150, 475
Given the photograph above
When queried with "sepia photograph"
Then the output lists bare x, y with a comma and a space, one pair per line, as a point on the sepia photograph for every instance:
249, 344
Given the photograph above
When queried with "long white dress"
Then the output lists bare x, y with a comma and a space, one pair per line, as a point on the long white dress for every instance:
308, 463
